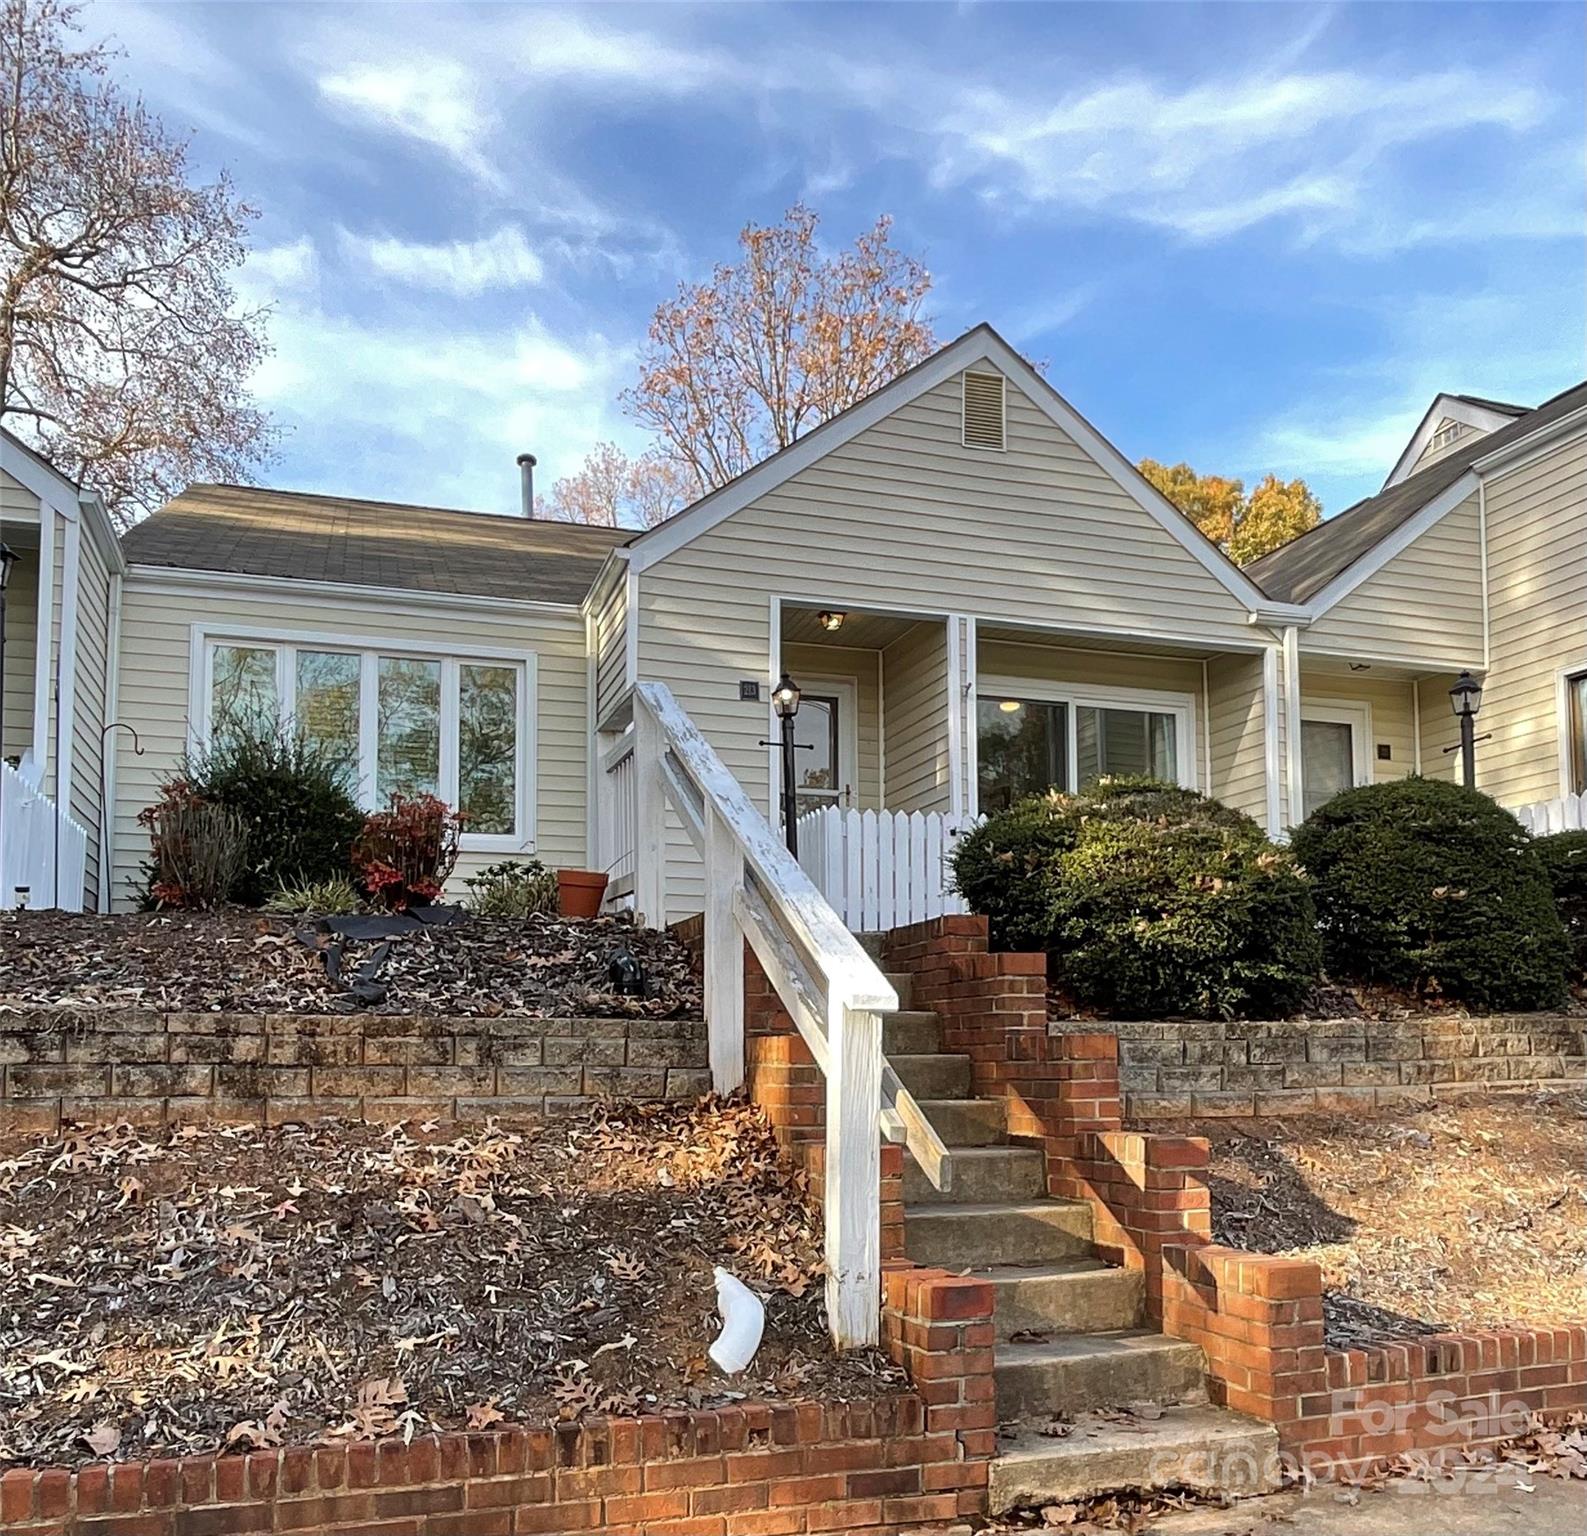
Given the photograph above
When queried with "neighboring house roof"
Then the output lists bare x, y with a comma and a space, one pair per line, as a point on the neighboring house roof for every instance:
1299, 570
1470, 411
1507, 407
247, 530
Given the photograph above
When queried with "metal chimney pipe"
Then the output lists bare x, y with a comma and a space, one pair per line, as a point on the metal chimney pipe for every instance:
526, 475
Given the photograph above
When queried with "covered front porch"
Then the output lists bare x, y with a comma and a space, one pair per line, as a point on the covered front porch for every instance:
910, 726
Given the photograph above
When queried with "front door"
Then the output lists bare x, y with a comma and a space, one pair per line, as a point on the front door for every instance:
1333, 753
824, 737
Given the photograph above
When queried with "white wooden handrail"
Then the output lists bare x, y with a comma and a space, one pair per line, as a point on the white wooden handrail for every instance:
833, 991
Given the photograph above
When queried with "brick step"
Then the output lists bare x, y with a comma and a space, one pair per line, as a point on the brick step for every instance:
1079, 1296
970, 1236
934, 1076
1193, 1446
1076, 1373
967, 1122
911, 1032
981, 1176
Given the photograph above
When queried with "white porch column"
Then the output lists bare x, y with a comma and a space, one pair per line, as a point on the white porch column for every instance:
1272, 760
963, 768
1292, 767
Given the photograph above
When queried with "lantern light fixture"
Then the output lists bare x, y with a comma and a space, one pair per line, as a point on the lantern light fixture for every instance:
785, 698
1465, 698
830, 621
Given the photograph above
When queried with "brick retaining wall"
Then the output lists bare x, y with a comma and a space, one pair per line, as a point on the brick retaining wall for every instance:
151, 1067
884, 1464
1189, 1067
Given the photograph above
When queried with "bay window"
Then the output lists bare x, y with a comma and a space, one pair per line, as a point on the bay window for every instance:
1033, 736
403, 718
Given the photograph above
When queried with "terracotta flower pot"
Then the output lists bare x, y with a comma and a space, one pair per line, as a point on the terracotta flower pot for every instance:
579, 892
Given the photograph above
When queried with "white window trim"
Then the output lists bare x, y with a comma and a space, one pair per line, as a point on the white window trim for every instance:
1182, 706
1562, 719
1357, 714
846, 691
203, 638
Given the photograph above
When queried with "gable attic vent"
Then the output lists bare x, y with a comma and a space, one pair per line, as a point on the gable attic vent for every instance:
983, 410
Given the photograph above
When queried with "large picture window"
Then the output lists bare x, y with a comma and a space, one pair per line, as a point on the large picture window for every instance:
403, 722
1033, 737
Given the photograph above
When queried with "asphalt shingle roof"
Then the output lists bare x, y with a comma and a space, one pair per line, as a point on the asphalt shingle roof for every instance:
250, 531
1299, 570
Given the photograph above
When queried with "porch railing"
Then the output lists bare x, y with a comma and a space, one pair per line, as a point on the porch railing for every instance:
880, 869
832, 990
1564, 813
43, 852
618, 824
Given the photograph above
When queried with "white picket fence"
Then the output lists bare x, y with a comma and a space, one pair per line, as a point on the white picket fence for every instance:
880, 869
30, 825
1564, 813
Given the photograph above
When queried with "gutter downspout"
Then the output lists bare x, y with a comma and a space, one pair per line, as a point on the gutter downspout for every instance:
111, 746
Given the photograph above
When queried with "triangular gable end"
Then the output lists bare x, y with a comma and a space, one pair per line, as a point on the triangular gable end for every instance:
1448, 420
984, 347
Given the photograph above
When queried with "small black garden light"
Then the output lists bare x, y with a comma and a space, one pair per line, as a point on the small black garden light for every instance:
1465, 699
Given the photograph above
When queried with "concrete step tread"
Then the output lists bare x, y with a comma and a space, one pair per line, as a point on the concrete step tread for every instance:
902, 1058
1061, 1269
1031, 1208
1121, 1344
1063, 1297
1193, 1444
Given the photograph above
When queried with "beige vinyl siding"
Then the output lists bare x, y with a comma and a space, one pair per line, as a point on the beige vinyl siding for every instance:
1439, 729
1237, 734
860, 667
1537, 584
1391, 715
22, 606
1425, 604
1431, 455
915, 731
903, 517
154, 691
89, 715
17, 502
611, 646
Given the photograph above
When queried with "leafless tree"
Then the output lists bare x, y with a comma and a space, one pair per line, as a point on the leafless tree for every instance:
124, 356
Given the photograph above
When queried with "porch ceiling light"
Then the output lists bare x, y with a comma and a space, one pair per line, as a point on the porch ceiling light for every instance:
8, 558
1465, 698
829, 621
785, 698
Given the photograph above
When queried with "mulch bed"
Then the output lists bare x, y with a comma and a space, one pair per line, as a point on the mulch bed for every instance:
1466, 1215
243, 1288
244, 962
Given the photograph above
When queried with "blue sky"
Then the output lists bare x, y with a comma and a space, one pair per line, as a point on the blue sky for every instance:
1259, 237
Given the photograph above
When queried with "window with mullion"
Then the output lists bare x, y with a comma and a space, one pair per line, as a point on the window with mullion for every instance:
401, 724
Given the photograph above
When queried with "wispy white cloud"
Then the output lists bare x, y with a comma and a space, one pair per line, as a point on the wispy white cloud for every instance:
274, 272
465, 268
436, 101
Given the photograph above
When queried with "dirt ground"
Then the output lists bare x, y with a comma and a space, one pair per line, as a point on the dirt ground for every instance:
246, 962
238, 1287
1462, 1215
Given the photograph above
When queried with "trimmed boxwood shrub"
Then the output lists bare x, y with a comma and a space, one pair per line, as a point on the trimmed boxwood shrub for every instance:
1432, 886
293, 800
1150, 900
1564, 859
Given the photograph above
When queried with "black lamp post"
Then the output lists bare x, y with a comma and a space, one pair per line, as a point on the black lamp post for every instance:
785, 701
1466, 699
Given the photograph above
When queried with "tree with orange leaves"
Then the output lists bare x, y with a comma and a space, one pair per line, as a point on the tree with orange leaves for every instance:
1243, 526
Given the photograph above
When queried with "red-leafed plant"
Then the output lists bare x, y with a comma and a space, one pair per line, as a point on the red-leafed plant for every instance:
197, 847
403, 856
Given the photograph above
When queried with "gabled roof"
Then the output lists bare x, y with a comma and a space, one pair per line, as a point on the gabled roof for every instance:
982, 343
1469, 410
247, 530
1299, 570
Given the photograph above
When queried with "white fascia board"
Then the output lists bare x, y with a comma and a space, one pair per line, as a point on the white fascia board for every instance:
983, 344
46, 482
1512, 455
1444, 407
183, 579
103, 532
1395, 543
610, 571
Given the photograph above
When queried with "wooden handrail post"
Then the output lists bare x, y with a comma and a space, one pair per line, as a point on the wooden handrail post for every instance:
724, 955
853, 1195
650, 819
